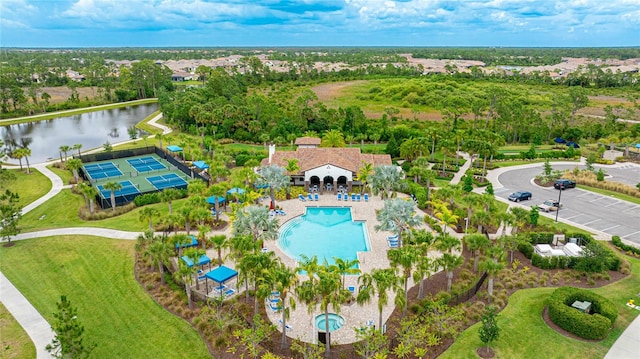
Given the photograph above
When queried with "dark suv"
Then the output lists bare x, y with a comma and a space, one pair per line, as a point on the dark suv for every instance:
564, 184
519, 196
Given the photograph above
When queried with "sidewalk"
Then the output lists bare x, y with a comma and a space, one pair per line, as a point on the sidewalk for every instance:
27, 316
628, 344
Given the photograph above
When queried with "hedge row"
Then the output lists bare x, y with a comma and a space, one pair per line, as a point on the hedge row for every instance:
554, 262
594, 326
624, 247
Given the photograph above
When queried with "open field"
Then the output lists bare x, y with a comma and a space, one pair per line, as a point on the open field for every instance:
29, 186
96, 275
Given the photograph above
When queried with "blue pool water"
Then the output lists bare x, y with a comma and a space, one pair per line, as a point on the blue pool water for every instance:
325, 232
335, 322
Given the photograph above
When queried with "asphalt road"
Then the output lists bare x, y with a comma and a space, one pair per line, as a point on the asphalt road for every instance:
585, 208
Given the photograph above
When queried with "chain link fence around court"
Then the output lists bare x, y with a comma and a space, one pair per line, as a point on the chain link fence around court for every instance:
104, 199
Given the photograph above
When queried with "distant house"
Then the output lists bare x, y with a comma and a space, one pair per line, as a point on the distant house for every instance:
75, 76
181, 76
324, 168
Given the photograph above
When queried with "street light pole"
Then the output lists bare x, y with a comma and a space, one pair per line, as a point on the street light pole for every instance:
558, 210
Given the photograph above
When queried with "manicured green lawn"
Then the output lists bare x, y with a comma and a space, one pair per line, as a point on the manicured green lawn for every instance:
14, 341
54, 217
145, 126
64, 174
96, 274
29, 186
524, 334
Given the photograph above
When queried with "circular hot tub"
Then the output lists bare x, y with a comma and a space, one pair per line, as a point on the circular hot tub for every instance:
335, 322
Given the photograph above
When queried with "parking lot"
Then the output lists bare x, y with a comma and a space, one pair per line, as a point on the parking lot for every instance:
580, 207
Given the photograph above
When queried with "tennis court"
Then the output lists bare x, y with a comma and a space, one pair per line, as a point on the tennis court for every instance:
167, 181
102, 170
128, 188
146, 164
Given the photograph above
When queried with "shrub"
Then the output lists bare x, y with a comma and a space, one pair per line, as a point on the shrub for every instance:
147, 198
526, 250
589, 326
624, 247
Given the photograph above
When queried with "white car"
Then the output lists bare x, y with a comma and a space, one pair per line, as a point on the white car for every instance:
550, 205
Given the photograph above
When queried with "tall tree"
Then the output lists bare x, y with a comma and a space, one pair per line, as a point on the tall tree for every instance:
69, 339
379, 282
10, 215
169, 195
398, 216
275, 177
112, 187
404, 258
74, 165
147, 214
255, 222
386, 179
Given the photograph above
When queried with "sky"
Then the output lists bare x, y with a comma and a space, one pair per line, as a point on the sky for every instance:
265, 23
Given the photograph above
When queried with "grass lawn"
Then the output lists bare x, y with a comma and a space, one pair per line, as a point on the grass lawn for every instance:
29, 186
55, 218
64, 174
14, 341
523, 332
145, 126
96, 274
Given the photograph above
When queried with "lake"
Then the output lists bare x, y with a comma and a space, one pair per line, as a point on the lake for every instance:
91, 129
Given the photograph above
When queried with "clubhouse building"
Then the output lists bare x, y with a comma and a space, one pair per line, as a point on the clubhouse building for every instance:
323, 168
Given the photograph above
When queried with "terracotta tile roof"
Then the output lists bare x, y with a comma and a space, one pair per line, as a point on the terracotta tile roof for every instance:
308, 141
309, 158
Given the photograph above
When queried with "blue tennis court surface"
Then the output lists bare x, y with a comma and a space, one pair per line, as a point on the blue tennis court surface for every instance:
146, 164
170, 180
102, 170
127, 189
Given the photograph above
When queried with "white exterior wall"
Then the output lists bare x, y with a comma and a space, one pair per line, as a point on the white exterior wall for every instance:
328, 170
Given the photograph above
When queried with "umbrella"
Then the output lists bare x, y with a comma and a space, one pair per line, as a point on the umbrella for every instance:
212, 200
572, 144
560, 140
235, 190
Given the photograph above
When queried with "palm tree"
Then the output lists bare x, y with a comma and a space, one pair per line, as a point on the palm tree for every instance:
148, 214
379, 281
424, 268
64, 149
160, 251
332, 138
476, 243
284, 281
324, 287
275, 177
74, 165
386, 179
364, 172
521, 216
471, 200
255, 222
259, 266
17, 154
217, 190
90, 193
113, 187
239, 246
169, 195
77, 147
142, 245
492, 265
445, 215
482, 219
447, 193
293, 166
404, 257
399, 216
219, 242
160, 136
346, 267
449, 261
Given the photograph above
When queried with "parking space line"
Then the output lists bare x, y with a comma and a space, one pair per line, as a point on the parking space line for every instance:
631, 234
572, 217
588, 223
612, 204
606, 229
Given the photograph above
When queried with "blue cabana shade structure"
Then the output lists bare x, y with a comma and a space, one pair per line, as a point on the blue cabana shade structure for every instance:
212, 200
572, 144
235, 190
193, 243
201, 261
200, 165
220, 275
261, 186
174, 148
560, 140
637, 145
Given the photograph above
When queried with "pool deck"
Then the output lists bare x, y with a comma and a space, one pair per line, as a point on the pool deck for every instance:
300, 322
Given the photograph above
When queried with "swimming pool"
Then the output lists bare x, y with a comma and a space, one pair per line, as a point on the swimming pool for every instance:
324, 232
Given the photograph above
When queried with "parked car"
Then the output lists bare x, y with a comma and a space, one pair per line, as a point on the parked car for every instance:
550, 205
520, 196
564, 184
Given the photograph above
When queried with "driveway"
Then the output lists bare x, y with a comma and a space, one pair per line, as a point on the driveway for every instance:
586, 209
